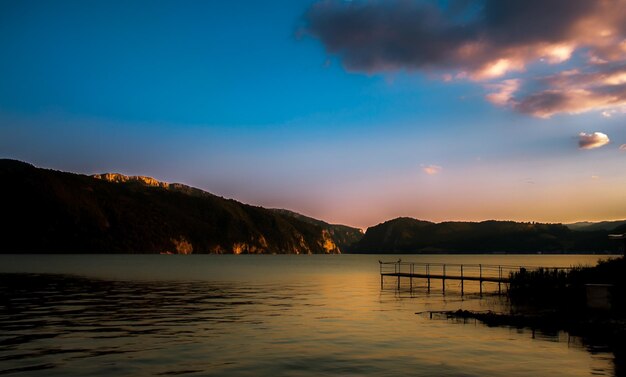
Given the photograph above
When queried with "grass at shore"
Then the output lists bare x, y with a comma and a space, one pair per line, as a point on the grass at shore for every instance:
565, 290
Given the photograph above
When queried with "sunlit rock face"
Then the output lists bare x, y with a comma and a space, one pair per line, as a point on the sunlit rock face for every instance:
297, 243
262, 241
120, 178
328, 244
302, 247
182, 246
151, 182
257, 245
246, 248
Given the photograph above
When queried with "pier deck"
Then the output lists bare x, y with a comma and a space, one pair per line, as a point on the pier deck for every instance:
447, 277
481, 273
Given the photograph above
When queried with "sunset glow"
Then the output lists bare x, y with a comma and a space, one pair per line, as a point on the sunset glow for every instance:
354, 112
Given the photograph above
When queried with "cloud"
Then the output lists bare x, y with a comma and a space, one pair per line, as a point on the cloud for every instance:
609, 113
622, 147
576, 91
572, 100
431, 169
592, 141
503, 92
486, 40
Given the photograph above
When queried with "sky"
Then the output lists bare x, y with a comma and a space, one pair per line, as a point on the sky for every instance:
354, 112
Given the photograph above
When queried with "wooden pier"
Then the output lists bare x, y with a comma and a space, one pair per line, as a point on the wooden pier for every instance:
481, 273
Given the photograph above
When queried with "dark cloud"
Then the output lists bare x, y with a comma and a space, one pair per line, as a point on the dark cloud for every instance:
481, 40
376, 36
574, 92
573, 100
592, 141
381, 35
512, 22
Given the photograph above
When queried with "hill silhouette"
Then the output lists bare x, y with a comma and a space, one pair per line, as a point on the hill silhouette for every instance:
587, 226
407, 235
56, 212
50, 211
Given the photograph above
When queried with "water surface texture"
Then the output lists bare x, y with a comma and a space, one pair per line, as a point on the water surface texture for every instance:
208, 315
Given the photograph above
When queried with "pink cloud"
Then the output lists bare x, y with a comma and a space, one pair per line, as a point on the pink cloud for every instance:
502, 94
489, 40
549, 102
431, 169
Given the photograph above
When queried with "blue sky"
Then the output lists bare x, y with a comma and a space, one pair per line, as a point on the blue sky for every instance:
260, 101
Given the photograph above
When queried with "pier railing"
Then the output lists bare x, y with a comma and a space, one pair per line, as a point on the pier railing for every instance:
481, 273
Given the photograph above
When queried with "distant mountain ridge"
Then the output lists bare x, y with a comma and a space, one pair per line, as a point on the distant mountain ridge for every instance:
588, 226
51, 211
408, 235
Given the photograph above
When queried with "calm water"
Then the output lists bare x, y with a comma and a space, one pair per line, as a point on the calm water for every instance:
207, 315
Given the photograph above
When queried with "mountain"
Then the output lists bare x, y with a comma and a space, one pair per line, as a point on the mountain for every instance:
57, 212
407, 235
587, 226
345, 236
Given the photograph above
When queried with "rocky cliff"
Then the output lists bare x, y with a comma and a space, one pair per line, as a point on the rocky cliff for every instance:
345, 236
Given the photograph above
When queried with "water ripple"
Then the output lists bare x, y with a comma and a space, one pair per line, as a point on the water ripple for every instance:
323, 324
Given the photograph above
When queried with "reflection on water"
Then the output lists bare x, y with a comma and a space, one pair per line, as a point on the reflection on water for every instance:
53, 320
333, 320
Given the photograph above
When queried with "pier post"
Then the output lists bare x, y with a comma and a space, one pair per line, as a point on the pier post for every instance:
411, 277
428, 275
480, 278
462, 280
398, 271
443, 280
499, 280
380, 264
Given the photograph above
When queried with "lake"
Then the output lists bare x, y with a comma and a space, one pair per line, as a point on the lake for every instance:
278, 315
